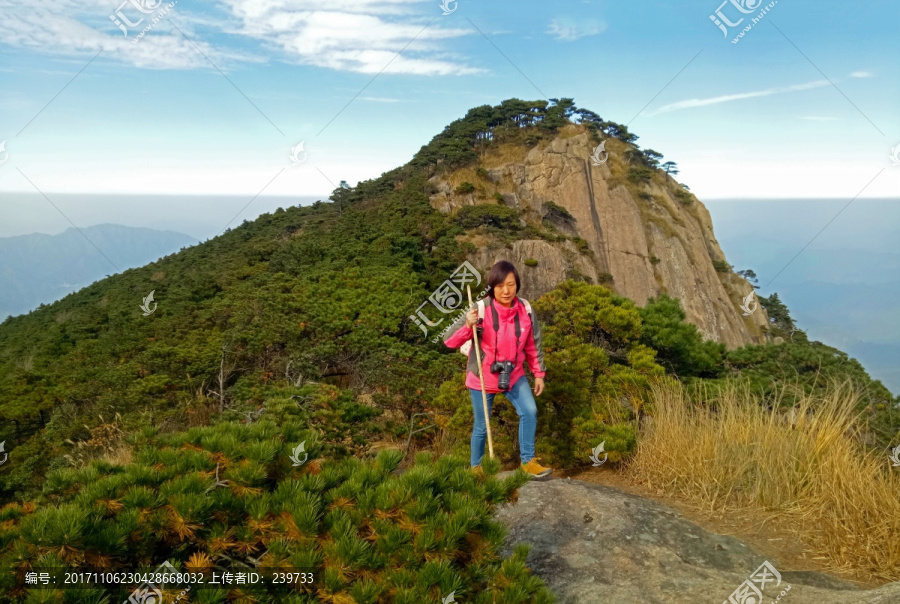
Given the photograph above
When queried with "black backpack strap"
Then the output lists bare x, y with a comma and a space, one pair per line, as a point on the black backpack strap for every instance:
497, 329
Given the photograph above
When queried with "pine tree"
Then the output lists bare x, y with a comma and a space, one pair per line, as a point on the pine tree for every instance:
226, 498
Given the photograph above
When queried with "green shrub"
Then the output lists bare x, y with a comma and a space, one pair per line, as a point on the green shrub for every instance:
551, 209
592, 348
604, 278
531, 262
635, 157
405, 537
530, 231
582, 245
721, 266
574, 274
481, 173
499, 198
654, 260
618, 439
679, 345
489, 215
781, 323
684, 197
640, 175
465, 187
645, 195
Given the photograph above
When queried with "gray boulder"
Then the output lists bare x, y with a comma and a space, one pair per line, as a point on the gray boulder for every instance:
594, 544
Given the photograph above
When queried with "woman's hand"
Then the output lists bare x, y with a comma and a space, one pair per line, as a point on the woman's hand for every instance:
472, 317
538, 386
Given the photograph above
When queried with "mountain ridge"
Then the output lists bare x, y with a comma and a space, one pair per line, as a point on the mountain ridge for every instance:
325, 293
39, 268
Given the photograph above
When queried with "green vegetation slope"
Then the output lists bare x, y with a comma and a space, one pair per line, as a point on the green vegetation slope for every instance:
111, 417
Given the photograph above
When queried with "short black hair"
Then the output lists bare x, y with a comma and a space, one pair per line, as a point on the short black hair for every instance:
498, 274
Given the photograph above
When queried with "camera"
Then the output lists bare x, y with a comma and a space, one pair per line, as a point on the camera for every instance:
504, 368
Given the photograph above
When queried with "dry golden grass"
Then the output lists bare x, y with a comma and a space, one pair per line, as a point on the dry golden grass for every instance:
504, 153
119, 456
105, 444
462, 175
808, 465
570, 130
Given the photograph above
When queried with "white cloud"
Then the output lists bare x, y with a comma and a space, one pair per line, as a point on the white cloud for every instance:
67, 30
861, 74
567, 29
690, 103
364, 36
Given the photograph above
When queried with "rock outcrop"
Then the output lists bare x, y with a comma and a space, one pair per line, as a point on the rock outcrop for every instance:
592, 543
639, 239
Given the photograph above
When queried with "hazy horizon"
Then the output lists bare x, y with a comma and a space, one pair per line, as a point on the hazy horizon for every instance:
29, 213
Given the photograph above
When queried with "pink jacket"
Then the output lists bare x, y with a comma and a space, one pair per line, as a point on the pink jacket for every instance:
500, 345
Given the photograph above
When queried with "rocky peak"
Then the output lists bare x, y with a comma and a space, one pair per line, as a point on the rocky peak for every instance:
640, 238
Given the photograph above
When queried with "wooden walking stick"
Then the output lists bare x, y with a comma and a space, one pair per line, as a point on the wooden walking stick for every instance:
487, 418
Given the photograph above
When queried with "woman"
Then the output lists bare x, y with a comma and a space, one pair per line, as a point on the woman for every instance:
507, 333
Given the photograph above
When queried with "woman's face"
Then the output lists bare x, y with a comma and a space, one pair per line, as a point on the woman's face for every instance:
505, 292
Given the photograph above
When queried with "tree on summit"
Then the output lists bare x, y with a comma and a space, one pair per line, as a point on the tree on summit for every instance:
586, 116
652, 158
779, 316
558, 114
749, 275
670, 167
620, 132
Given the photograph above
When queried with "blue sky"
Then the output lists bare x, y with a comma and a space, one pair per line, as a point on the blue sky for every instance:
213, 98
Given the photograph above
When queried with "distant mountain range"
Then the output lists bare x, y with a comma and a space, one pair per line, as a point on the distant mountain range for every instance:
844, 288
39, 269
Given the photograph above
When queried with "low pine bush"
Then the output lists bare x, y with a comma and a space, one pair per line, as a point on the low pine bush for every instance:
684, 197
465, 187
721, 266
490, 215
582, 245
232, 498
640, 175
552, 209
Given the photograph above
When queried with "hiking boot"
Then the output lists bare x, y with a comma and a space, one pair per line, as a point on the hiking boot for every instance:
478, 471
536, 469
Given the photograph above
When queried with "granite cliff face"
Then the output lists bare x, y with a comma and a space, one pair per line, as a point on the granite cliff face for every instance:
640, 239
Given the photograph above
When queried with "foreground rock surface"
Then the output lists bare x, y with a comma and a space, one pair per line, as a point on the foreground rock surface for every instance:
593, 544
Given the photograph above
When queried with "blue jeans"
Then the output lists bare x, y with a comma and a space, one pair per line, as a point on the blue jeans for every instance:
522, 399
